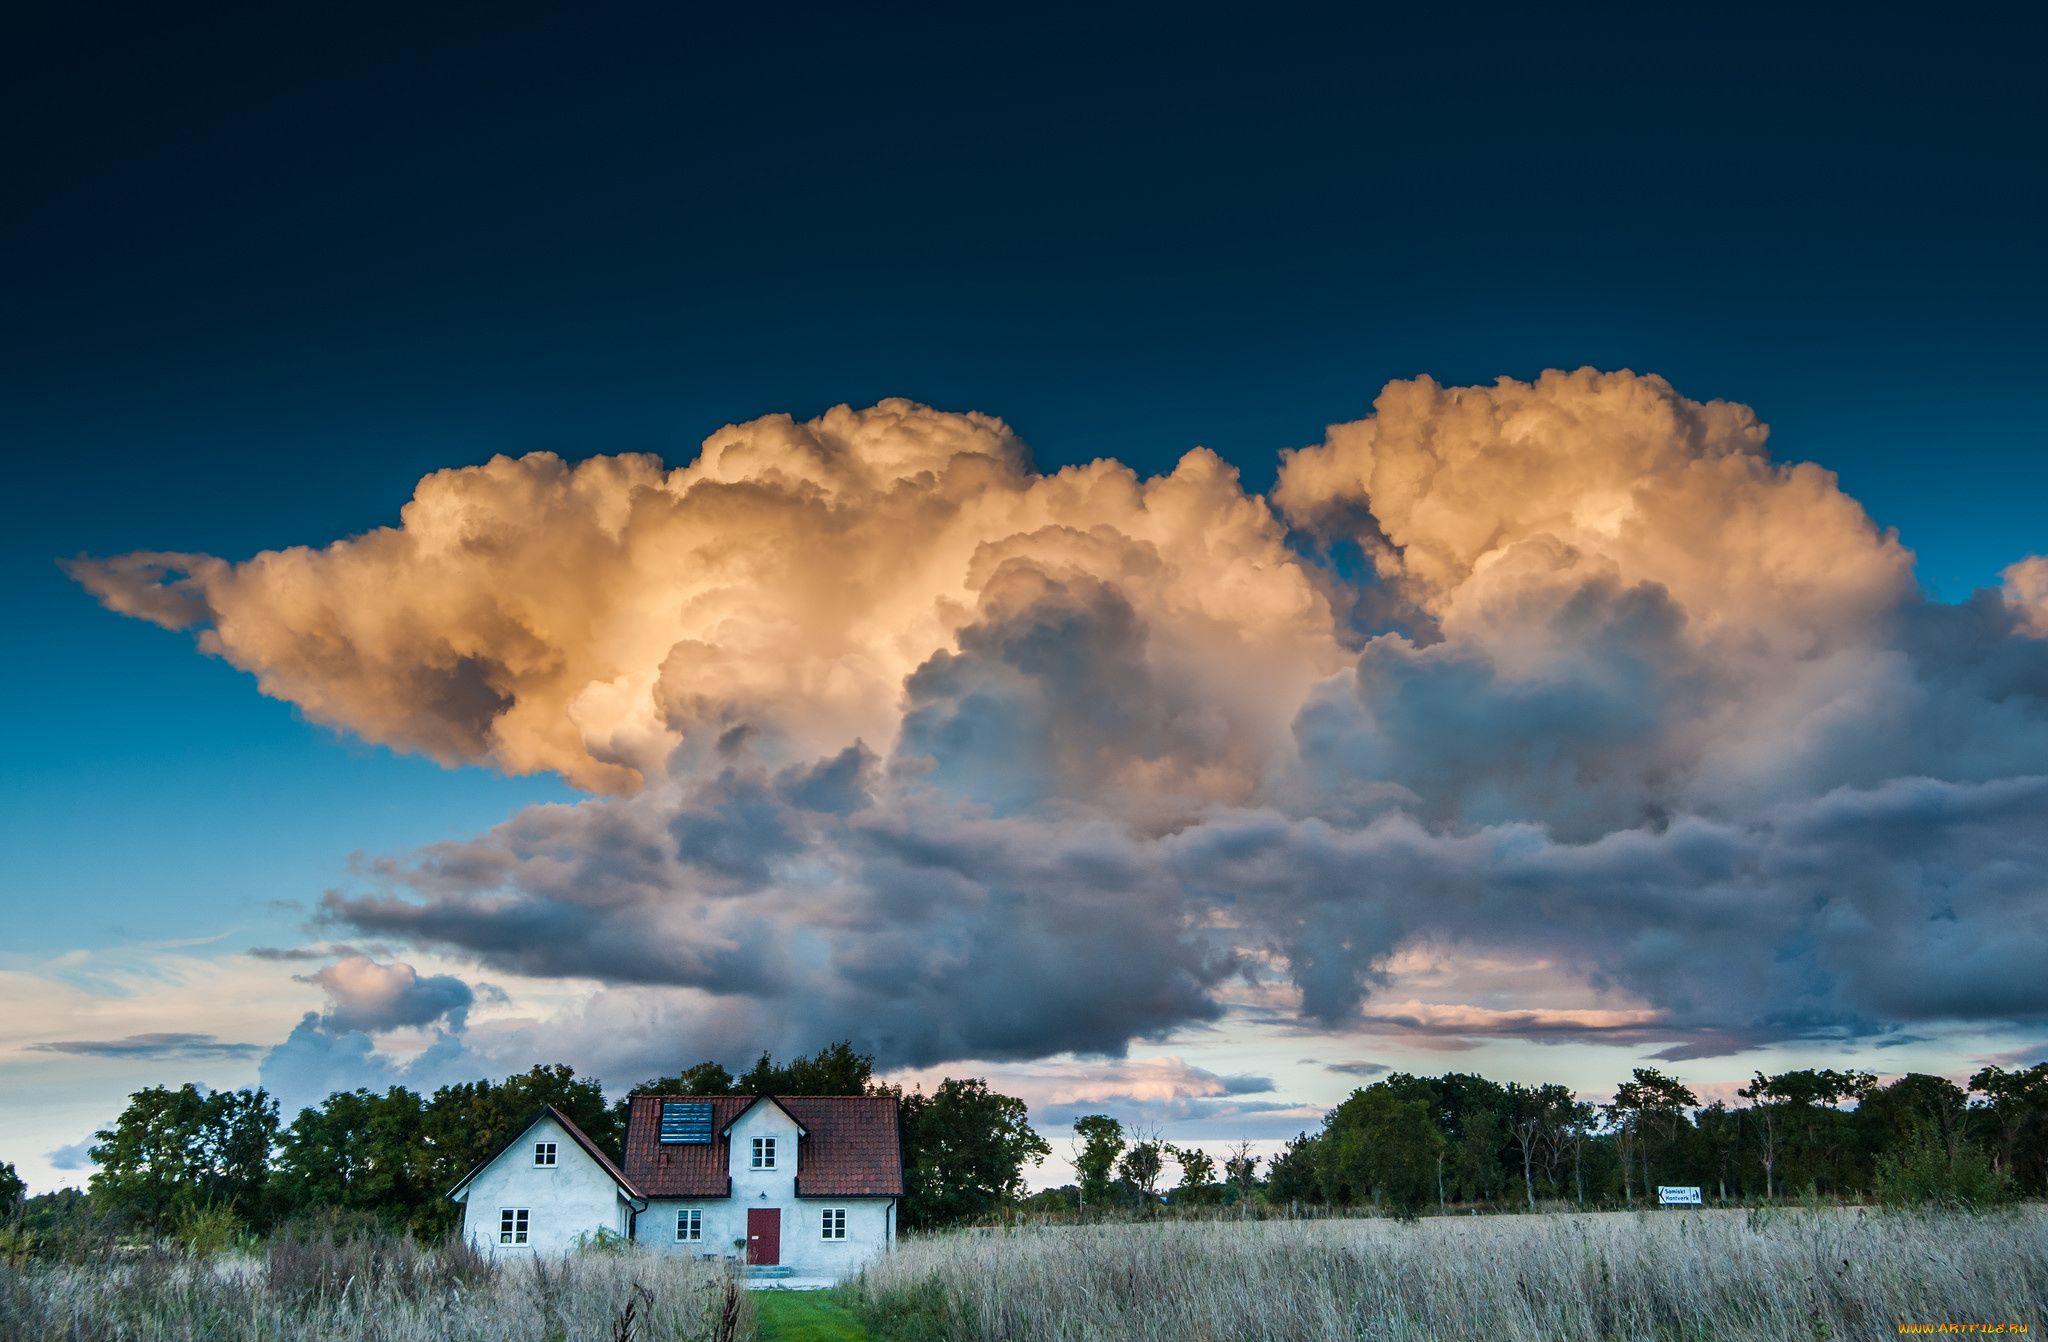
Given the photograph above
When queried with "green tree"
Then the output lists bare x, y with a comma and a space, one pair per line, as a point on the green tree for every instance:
1651, 1105
1474, 1156
172, 1152
1766, 1124
2018, 1109
361, 1151
1451, 1098
1197, 1173
1241, 1171
1720, 1130
12, 1189
1142, 1165
1292, 1176
1532, 1116
834, 1070
1381, 1144
1892, 1117
1813, 1134
1572, 1132
1102, 1141
1470, 1113
706, 1078
964, 1149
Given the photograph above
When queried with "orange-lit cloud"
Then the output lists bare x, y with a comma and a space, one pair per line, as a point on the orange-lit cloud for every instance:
2026, 591
596, 618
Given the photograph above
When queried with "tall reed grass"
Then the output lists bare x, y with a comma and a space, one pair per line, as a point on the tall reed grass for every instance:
1725, 1275
369, 1290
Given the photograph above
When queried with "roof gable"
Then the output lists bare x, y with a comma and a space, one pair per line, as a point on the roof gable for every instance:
549, 1112
757, 1102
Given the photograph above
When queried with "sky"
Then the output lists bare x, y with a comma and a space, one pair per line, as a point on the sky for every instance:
865, 655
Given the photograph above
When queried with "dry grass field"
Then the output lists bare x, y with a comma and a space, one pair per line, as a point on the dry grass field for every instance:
370, 1291
1727, 1276
1722, 1275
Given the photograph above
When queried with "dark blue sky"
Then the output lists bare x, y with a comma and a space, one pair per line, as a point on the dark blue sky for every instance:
265, 267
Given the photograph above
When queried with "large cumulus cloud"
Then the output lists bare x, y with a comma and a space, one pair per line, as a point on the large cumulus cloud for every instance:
595, 618
901, 739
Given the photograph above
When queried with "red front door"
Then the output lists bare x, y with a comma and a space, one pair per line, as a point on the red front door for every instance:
764, 1236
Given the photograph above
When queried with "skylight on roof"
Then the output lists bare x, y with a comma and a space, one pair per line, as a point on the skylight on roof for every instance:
685, 1124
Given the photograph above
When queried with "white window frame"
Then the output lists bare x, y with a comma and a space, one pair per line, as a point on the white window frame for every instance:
764, 1153
544, 1155
513, 1225
689, 1225
832, 1223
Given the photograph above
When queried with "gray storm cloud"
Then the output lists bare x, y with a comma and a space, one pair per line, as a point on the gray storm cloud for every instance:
896, 737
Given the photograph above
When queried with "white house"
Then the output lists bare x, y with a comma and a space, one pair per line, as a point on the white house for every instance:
797, 1184
549, 1186
804, 1182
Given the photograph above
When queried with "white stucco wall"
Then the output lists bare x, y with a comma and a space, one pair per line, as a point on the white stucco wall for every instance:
870, 1222
572, 1197
804, 1249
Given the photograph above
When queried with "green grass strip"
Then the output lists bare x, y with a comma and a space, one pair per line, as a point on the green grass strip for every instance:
806, 1316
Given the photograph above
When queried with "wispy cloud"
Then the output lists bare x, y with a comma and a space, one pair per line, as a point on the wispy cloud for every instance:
151, 1046
1354, 1067
1463, 1020
329, 951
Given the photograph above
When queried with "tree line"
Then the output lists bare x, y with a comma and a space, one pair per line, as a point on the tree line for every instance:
1116, 1168
390, 1158
1404, 1144
1409, 1143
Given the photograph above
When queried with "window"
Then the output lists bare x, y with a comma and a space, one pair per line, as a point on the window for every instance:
764, 1153
544, 1153
689, 1225
835, 1223
512, 1226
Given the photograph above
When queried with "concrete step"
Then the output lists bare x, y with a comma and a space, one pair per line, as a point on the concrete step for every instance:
758, 1272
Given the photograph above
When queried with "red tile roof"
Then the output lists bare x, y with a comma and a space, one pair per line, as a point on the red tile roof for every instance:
683, 1171
852, 1148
